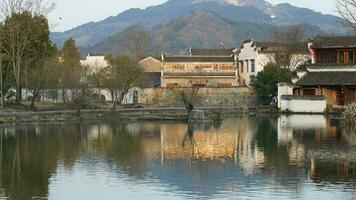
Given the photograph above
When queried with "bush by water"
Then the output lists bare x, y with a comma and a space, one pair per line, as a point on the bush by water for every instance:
349, 115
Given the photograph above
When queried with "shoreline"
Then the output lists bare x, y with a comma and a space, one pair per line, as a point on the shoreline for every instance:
170, 113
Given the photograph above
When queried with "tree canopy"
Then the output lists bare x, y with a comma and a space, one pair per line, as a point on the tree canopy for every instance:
266, 82
25, 44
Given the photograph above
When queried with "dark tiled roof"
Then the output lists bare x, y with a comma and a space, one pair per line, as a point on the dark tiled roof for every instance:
95, 54
303, 97
331, 66
210, 59
328, 79
302, 68
327, 42
212, 52
153, 79
176, 74
299, 47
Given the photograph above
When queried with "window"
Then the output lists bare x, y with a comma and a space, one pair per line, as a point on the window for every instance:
199, 85
309, 92
351, 57
225, 85
347, 57
172, 85
253, 66
341, 57
242, 66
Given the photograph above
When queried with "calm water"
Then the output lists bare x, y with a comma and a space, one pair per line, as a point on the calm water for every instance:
295, 157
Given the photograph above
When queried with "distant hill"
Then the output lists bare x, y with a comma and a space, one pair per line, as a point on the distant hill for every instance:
251, 13
197, 30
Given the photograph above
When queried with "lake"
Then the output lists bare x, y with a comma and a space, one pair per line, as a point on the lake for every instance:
287, 157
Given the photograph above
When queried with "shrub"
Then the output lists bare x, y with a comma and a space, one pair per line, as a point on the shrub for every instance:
266, 82
349, 115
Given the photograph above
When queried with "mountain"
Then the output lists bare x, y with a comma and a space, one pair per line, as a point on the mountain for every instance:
197, 30
252, 11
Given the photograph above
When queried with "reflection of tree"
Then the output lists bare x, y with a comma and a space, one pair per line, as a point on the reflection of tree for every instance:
121, 147
128, 150
276, 156
266, 136
30, 156
350, 134
189, 135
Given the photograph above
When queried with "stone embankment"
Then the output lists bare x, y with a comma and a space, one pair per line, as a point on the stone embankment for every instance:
124, 114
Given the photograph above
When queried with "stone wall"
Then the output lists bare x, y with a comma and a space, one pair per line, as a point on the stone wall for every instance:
210, 97
228, 81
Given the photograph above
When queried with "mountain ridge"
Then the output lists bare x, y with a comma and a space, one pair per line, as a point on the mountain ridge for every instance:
199, 29
253, 11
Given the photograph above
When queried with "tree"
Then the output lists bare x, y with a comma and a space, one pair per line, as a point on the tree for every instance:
266, 82
42, 76
293, 34
290, 43
347, 11
71, 71
99, 79
119, 77
40, 59
137, 41
190, 97
35, 7
19, 31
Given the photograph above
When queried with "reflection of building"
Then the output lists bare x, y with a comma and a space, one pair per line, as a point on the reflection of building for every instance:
292, 127
230, 141
312, 138
331, 170
179, 142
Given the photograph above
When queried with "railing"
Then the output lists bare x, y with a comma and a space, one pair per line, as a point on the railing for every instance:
303, 97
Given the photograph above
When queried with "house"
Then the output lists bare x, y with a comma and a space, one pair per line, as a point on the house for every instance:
94, 62
152, 68
332, 74
216, 68
253, 56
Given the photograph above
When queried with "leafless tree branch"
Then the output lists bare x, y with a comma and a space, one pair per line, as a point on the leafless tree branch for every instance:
36, 7
347, 11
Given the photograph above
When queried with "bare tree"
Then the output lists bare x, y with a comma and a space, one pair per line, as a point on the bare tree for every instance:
290, 50
139, 42
347, 11
35, 7
190, 96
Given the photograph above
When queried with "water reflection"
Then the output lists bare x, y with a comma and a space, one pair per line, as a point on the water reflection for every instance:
285, 157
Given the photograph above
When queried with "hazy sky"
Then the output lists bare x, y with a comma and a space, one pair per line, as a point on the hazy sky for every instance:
77, 12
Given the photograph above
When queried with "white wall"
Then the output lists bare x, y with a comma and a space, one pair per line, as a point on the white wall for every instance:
283, 89
94, 63
303, 106
249, 52
56, 95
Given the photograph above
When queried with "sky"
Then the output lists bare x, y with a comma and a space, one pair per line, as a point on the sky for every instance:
71, 13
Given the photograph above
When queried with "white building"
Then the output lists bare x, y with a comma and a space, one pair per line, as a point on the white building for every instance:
253, 56
94, 62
